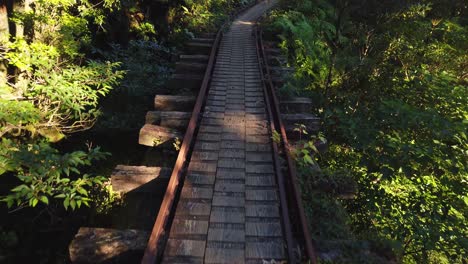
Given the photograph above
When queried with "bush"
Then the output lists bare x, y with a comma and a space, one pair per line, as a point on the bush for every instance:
394, 106
53, 93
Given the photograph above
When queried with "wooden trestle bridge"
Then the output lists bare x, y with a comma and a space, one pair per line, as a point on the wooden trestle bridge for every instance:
232, 196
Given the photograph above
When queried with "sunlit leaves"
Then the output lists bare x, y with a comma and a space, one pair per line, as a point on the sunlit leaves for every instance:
397, 111
54, 92
30, 56
302, 37
46, 174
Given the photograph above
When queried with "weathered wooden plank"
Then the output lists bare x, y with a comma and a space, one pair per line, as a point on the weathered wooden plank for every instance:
189, 227
225, 200
226, 234
192, 208
213, 137
200, 178
203, 39
194, 47
182, 247
200, 156
232, 153
259, 157
224, 173
182, 260
182, 103
190, 67
199, 58
263, 139
265, 250
255, 147
228, 144
227, 215
139, 178
263, 229
202, 166
296, 105
231, 163
227, 186
96, 245
311, 122
259, 168
260, 181
261, 210
169, 119
190, 192
224, 255
190, 82
152, 135
261, 195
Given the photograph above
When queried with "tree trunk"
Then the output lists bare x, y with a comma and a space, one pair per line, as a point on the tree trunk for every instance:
4, 31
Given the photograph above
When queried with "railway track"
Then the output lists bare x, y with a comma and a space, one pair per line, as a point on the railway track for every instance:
232, 196
229, 199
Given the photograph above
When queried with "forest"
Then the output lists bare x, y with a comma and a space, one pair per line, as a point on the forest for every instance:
388, 79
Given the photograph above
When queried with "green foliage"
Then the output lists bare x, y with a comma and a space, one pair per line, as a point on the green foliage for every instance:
144, 30
8, 239
203, 16
46, 174
54, 92
300, 37
147, 68
395, 109
138, 61
306, 151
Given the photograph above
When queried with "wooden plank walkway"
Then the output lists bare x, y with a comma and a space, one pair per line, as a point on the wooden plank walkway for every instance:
229, 210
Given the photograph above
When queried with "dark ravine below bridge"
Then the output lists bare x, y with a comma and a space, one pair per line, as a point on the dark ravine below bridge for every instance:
230, 207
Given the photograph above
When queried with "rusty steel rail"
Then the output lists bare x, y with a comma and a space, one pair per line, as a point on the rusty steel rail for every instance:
156, 243
279, 174
295, 200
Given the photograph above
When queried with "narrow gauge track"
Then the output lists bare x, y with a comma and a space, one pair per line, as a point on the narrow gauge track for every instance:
229, 198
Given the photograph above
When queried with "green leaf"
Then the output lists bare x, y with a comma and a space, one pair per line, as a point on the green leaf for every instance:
52, 134
19, 188
73, 204
33, 202
66, 203
44, 199
308, 159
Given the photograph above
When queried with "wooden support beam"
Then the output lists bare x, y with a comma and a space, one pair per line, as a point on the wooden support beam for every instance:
98, 245
198, 48
169, 119
190, 67
311, 122
207, 35
152, 135
190, 82
194, 58
174, 102
126, 179
296, 105
203, 40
